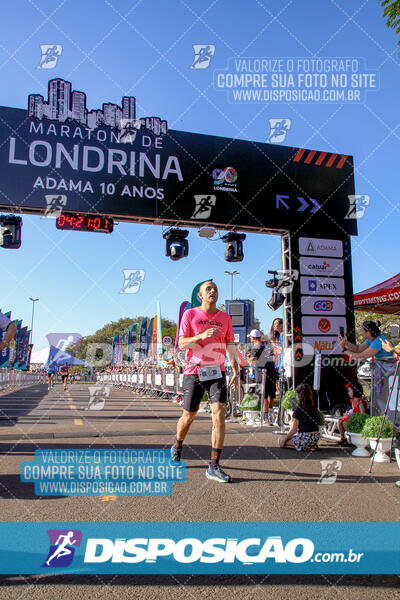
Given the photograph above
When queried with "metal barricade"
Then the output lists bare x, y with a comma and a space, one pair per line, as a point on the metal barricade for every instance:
169, 381
14, 378
157, 381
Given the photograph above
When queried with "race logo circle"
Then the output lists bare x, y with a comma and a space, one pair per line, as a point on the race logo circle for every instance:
227, 175
324, 325
230, 175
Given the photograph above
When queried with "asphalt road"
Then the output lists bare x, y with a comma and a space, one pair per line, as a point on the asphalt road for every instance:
270, 484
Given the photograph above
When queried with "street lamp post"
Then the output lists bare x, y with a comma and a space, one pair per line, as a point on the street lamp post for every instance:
33, 312
232, 275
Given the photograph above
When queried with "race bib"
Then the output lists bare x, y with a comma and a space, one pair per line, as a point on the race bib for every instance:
207, 373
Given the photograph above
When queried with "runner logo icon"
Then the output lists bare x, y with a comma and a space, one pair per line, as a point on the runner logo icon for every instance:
330, 470
202, 55
62, 547
132, 280
278, 130
204, 204
50, 55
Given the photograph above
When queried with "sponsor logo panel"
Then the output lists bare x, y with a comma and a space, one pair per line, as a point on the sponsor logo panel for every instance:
322, 286
321, 305
320, 247
322, 325
321, 266
323, 345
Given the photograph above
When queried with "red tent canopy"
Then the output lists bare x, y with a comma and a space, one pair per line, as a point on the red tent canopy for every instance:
381, 298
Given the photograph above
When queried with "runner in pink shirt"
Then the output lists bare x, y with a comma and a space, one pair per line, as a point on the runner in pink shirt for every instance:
206, 334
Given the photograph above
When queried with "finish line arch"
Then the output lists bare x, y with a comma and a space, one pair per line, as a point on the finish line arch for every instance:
108, 163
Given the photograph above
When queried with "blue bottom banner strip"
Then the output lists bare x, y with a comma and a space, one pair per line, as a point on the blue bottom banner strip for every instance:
217, 548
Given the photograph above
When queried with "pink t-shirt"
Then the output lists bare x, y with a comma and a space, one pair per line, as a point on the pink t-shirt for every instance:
212, 350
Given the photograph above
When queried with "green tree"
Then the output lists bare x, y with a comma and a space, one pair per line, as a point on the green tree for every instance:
392, 12
385, 327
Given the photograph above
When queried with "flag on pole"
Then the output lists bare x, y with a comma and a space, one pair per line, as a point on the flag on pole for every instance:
184, 306
19, 359
159, 335
115, 349
5, 353
142, 339
132, 337
149, 338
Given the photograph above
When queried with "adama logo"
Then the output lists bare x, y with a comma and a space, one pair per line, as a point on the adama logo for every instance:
324, 325
62, 547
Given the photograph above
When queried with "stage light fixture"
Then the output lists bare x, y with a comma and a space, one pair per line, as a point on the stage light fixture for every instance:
234, 246
10, 231
277, 299
276, 284
176, 244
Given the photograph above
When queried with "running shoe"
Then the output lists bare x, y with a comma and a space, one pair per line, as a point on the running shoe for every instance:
215, 472
175, 453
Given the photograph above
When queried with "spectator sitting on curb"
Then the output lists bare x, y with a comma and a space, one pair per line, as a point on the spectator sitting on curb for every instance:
304, 431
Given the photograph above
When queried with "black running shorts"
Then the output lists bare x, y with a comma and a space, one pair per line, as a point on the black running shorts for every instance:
193, 391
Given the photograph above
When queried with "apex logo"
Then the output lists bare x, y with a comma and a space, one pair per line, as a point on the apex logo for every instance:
328, 286
62, 547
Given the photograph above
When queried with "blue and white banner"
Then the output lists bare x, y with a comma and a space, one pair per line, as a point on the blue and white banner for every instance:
216, 548
94, 472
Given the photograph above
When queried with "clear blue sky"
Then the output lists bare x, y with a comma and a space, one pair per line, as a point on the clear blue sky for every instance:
116, 48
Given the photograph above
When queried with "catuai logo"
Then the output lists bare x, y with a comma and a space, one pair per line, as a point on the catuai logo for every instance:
323, 305
324, 325
62, 547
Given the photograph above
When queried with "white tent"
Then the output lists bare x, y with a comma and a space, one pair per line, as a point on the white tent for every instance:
40, 356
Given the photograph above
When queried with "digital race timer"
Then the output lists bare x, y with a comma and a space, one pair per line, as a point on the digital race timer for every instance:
75, 222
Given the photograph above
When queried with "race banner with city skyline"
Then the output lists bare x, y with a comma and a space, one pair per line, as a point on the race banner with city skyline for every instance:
109, 162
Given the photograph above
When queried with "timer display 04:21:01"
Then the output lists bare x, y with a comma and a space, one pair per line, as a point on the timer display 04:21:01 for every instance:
73, 222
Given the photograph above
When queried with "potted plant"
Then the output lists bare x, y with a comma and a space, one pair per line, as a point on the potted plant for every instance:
288, 404
288, 398
397, 451
251, 408
321, 421
354, 427
370, 431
